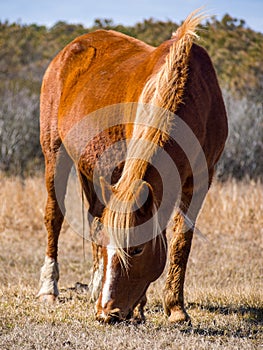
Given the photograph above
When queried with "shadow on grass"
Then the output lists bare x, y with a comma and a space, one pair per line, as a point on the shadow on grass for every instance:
250, 314
253, 315
252, 321
219, 332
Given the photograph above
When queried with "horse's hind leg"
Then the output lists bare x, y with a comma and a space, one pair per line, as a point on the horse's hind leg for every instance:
58, 165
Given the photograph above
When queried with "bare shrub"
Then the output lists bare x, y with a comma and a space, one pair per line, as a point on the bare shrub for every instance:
244, 148
19, 128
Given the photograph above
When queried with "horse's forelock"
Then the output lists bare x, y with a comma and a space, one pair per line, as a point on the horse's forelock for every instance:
122, 217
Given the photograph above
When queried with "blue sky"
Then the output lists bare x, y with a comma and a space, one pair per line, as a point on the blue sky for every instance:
48, 12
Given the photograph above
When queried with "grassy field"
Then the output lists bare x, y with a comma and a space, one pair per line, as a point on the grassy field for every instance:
223, 285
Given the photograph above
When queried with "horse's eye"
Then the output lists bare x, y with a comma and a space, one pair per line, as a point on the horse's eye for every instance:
136, 251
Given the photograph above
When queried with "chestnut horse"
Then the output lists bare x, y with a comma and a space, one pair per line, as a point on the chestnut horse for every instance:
106, 89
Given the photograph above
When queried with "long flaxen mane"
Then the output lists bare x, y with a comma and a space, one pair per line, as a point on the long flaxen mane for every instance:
163, 90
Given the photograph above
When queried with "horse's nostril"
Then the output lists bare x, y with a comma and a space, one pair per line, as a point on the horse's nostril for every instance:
114, 316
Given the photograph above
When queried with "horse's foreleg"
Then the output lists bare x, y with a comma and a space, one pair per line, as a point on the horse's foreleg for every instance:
180, 246
138, 313
57, 172
97, 274
50, 270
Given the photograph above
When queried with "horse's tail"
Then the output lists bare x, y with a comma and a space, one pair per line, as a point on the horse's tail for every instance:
165, 89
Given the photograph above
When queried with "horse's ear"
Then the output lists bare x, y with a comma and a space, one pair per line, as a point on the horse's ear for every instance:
143, 196
106, 190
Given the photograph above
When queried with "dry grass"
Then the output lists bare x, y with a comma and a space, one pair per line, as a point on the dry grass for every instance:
223, 286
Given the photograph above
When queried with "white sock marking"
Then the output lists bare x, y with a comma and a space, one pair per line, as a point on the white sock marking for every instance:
106, 292
49, 278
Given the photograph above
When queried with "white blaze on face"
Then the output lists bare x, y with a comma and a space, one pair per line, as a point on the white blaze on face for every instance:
106, 291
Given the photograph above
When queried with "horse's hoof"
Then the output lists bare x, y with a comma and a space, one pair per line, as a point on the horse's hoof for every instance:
179, 316
49, 299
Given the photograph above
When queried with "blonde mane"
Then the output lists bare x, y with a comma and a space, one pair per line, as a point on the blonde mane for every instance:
164, 90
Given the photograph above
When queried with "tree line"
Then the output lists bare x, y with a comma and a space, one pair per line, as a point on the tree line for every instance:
26, 50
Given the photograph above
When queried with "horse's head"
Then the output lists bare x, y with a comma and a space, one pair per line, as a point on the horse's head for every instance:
134, 255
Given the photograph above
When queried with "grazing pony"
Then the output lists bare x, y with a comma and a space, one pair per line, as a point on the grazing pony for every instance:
144, 127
